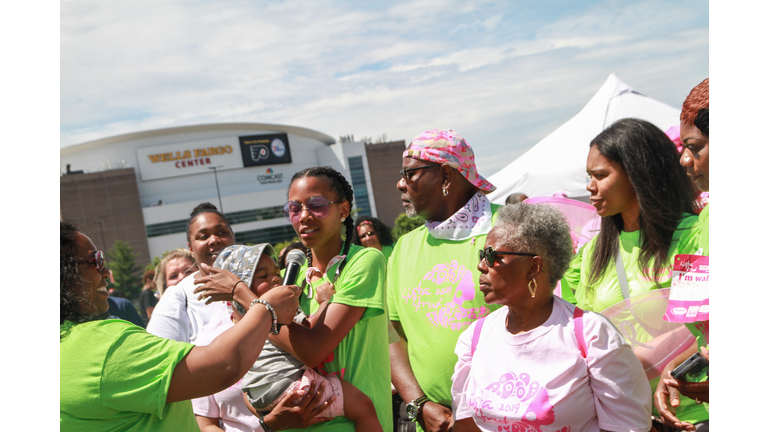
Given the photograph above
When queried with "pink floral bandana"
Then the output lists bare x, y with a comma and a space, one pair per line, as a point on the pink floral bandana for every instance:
472, 220
445, 146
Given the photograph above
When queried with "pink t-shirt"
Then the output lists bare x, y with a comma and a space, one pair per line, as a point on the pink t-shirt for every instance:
538, 380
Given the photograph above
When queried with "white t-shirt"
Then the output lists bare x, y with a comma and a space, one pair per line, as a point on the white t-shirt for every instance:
227, 405
538, 380
180, 316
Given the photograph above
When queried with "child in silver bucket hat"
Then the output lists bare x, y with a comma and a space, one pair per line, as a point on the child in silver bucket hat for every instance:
276, 373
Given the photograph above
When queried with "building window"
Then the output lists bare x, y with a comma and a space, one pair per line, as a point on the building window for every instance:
180, 226
272, 235
359, 187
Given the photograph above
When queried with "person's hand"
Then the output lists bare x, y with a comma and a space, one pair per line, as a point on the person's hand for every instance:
284, 299
325, 291
217, 285
698, 391
705, 352
665, 392
434, 417
287, 416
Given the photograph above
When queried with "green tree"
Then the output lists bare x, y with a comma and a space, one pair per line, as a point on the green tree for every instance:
155, 262
404, 225
125, 270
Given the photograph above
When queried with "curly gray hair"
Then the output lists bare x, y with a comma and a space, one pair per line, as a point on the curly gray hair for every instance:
539, 229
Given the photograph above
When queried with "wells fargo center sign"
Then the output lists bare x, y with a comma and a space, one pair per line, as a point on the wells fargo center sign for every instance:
196, 157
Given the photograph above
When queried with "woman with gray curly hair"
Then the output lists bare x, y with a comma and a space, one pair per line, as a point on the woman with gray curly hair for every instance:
540, 363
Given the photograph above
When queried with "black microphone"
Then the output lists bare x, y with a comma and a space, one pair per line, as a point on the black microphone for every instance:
293, 262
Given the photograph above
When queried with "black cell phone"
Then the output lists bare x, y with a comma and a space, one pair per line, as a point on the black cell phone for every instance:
692, 365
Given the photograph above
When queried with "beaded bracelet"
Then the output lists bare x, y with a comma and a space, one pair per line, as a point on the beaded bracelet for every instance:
275, 328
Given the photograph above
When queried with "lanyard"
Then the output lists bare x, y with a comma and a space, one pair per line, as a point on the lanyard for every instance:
310, 270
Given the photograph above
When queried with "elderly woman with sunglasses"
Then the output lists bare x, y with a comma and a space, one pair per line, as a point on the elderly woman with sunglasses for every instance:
539, 363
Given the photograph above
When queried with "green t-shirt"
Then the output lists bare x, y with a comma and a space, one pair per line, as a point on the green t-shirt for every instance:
362, 357
700, 329
704, 237
114, 376
387, 250
433, 290
607, 292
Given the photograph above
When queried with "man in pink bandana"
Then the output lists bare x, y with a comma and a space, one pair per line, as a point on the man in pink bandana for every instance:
432, 277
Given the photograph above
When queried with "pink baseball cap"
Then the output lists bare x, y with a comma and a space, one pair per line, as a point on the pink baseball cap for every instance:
445, 146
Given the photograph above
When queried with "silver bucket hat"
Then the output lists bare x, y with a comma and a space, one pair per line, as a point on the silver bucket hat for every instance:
241, 261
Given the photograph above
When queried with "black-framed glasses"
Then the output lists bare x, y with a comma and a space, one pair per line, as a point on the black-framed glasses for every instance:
405, 173
366, 235
97, 259
317, 206
489, 255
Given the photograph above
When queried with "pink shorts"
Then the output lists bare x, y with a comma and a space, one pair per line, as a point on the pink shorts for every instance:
332, 387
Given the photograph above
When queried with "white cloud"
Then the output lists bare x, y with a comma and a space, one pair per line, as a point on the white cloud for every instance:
378, 68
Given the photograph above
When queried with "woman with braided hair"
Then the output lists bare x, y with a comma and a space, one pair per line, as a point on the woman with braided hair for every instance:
350, 338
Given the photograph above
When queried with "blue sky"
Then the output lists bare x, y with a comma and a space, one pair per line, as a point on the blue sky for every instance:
503, 74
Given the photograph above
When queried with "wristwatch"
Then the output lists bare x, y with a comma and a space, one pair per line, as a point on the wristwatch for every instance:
413, 407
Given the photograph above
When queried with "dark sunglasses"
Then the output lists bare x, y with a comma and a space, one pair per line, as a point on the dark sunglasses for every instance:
406, 173
489, 255
98, 260
317, 206
366, 235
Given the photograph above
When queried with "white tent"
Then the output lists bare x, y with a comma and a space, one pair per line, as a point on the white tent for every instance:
558, 162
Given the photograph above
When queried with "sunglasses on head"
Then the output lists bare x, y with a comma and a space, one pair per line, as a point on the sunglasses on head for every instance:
489, 255
98, 260
317, 206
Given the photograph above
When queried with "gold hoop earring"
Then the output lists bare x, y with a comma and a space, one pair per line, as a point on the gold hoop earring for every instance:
445, 192
535, 287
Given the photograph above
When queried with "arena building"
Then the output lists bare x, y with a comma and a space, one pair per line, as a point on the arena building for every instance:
140, 187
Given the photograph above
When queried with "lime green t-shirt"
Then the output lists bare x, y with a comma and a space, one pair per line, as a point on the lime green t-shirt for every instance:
700, 329
607, 292
362, 357
433, 290
114, 376
387, 250
704, 237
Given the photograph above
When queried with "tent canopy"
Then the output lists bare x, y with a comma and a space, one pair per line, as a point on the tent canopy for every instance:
557, 163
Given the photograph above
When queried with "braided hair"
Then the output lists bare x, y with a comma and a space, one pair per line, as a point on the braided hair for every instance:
338, 184
71, 292
206, 207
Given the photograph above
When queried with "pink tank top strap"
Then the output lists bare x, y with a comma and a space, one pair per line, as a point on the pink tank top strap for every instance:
578, 325
476, 335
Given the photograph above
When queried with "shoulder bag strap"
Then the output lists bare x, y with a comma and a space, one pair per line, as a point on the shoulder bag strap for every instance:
622, 275
476, 335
